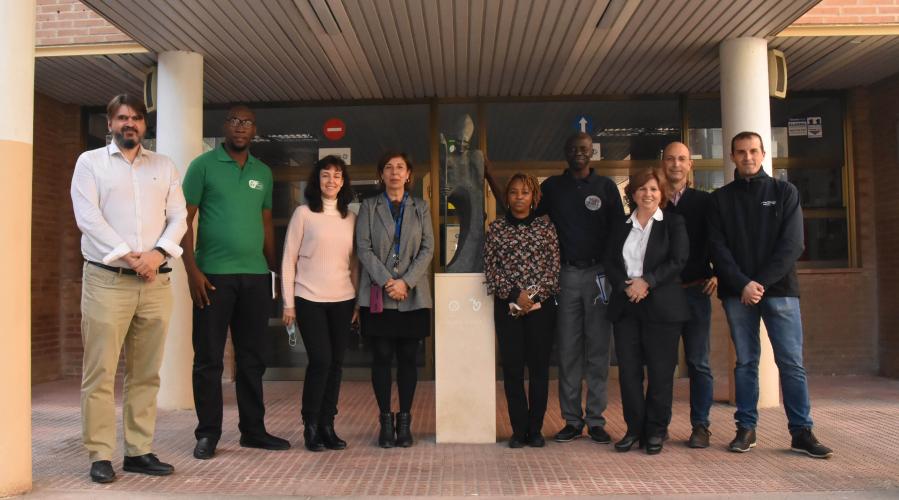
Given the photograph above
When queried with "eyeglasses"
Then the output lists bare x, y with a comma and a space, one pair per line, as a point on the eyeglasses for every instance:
237, 122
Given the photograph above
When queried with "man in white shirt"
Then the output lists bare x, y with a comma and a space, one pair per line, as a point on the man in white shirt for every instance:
131, 211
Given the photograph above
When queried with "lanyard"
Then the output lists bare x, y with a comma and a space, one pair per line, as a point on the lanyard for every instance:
397, 228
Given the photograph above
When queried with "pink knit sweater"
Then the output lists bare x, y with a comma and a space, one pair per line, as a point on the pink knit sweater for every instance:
319, 264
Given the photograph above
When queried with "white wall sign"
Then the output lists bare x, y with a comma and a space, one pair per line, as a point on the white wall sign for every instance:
798, 127
342, 153
814, 127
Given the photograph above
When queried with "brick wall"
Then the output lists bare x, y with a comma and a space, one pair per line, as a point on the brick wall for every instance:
66, 22
853, 12
55, 254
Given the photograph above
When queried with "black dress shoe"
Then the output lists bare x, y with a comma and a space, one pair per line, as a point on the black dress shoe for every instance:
699, 438
598, 433
330, 438
654, 444
102, 472
264, 441
312, 439
517, 441
627, 442
205, 448
535, 440
147, 464
568, 433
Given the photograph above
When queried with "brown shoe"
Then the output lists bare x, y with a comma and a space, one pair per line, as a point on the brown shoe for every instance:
699, 438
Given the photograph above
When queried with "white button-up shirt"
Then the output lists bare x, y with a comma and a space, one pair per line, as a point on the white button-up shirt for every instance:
124, 207
634, 249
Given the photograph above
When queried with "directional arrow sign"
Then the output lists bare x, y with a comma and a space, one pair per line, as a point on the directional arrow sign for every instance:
583, 124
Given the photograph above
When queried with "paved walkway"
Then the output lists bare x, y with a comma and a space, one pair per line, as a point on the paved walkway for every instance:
857, 416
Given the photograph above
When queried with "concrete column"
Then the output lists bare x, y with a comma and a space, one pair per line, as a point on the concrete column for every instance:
179, 135
745, 107
17, 28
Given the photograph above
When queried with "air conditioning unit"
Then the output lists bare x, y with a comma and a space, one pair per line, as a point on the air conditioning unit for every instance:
777, 74
150, 90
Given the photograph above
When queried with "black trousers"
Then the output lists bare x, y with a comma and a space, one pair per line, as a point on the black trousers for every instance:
242, 302
325, 328
383, 351
640, 342
525, 341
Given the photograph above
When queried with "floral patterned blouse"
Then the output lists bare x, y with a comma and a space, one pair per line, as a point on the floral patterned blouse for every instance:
520, 253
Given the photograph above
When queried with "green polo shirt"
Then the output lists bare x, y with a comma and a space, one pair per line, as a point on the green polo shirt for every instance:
230, 200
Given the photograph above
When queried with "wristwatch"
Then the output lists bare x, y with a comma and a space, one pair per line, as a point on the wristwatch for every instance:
162, 251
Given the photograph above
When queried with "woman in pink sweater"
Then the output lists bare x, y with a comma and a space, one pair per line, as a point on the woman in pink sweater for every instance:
318, 279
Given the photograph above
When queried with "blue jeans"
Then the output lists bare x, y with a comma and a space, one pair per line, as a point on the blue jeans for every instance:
695, 333
784, 323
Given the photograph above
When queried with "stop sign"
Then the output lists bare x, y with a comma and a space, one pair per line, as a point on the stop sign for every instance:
334, 129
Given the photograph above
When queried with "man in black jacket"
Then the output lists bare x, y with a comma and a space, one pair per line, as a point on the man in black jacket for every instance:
755, 238
698, 283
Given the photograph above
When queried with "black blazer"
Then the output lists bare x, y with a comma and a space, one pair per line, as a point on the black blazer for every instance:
666, 255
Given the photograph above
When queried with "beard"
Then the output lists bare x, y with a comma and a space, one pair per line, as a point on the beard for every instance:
124, 142
237, 148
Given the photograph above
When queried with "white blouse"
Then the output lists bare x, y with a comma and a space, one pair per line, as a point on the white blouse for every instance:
635, 245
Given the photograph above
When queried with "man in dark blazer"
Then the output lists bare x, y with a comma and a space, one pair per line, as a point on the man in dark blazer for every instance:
698, 284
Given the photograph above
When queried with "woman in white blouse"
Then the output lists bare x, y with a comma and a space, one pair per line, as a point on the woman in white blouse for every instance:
647, 304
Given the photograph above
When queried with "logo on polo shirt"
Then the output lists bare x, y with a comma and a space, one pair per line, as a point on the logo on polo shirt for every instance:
254, 184
769, 203
593, 203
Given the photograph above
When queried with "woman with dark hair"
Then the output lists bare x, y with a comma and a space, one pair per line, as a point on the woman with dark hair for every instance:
647, 305
395, 243
521, 264
318, 280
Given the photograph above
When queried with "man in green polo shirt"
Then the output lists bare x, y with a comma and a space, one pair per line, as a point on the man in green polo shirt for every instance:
229, 280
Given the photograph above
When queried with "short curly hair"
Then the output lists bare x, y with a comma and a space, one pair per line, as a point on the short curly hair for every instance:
529, 181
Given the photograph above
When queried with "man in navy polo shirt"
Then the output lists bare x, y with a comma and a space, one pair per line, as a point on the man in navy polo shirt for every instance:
583, 206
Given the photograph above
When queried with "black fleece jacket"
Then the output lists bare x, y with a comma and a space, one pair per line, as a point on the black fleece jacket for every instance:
756, 234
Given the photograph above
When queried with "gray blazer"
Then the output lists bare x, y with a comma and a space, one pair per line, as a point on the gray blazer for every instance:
374, 237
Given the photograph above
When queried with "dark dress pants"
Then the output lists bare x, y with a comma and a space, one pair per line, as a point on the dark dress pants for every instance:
325, 328
525, 341
640, 342
242, 302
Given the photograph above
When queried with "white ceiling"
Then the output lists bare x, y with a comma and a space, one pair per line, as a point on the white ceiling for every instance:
315, 50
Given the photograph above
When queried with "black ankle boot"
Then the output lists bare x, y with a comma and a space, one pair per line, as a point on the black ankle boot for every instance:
403, 429
312, 437
387, 438
330, 438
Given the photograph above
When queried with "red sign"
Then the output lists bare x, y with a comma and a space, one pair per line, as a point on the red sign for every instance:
334, 129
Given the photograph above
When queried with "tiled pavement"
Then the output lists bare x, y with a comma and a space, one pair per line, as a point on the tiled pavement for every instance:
857, 416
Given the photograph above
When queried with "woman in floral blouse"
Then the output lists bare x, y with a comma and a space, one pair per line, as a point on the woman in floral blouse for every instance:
522, 269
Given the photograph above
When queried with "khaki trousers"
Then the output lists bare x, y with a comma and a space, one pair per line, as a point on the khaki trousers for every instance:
116, 310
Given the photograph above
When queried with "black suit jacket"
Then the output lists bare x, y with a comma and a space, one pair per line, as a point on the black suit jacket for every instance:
666, 255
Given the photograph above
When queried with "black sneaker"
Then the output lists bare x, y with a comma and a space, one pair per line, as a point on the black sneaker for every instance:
568, 433
699, 438
264, 441
598, 434
744, 440
804, 441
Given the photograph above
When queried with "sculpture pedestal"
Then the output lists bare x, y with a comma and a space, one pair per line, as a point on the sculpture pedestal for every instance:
464, 359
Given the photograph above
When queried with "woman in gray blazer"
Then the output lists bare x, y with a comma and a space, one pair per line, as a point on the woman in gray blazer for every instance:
394, 244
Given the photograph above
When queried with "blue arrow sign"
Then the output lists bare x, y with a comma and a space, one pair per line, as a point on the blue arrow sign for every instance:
583, 124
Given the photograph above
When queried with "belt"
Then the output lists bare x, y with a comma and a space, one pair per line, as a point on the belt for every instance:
125, 270
581, 263
700, 281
